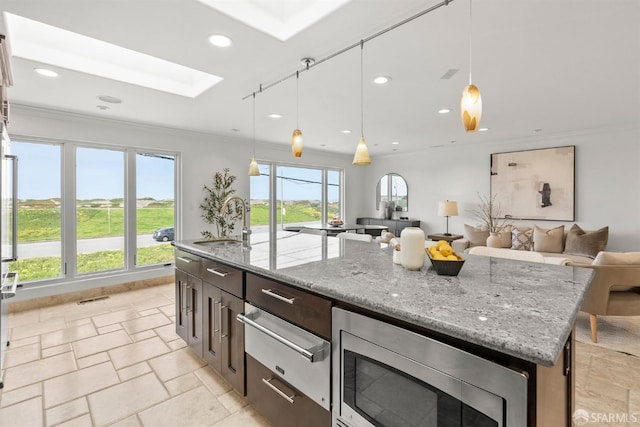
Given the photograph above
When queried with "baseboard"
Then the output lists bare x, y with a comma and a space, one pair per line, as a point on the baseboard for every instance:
76, 296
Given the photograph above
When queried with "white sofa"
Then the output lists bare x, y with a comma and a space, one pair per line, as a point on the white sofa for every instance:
554, 246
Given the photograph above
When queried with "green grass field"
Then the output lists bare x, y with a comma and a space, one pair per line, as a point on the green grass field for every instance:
40, 220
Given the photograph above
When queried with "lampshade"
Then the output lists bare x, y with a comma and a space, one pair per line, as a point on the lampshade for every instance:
471, 108
361, 157
448, 208
253, 168
296, 143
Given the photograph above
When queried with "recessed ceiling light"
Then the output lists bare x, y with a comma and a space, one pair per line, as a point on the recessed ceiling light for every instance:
381, 80
46, 44
275, 116
219, 40
345, 131
395, 143
45, 72
235, 130
323, 145
483, 129
110, 99
537, 130
444, 110
102, 107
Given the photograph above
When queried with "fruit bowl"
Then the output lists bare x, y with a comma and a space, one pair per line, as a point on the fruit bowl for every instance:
446, 267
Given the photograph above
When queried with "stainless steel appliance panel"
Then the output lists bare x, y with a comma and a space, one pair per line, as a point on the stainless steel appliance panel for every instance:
297, 356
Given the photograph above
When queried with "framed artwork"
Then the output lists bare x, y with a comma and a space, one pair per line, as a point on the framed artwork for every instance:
535, 184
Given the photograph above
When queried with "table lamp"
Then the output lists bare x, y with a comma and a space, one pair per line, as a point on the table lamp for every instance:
447, 209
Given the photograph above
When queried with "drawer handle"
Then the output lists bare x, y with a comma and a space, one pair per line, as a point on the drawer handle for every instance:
278, 297
185, 259
218, 272
277, 390
293, 346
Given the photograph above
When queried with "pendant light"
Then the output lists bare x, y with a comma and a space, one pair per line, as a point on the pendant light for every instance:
361, 157
471, 102
253, 166
296, 138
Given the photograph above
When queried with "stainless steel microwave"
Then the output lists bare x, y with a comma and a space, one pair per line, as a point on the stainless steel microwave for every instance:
386, 376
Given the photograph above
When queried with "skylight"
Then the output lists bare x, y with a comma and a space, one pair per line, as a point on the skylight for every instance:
47, 44
281, 19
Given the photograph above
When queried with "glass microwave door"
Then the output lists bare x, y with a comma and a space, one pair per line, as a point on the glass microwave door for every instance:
388, 397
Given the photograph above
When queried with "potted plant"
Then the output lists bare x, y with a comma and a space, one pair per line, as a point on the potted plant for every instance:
489, 213
219, 191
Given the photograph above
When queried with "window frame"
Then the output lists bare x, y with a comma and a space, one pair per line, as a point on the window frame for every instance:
68, 195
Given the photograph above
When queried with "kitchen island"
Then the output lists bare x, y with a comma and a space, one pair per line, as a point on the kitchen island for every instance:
496, 308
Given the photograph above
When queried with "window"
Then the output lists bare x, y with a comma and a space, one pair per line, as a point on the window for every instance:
39, 211
100, 208
155, 207
105, 219
303, 196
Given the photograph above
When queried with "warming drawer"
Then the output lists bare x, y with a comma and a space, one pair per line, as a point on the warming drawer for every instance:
297, 356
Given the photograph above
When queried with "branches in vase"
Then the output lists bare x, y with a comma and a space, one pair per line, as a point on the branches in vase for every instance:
489, 213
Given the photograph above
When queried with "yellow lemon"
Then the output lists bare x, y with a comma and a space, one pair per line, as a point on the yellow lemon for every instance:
452, 257
439, 256
446, 250
441, 243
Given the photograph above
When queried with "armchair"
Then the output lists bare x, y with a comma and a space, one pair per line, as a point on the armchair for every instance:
614, 291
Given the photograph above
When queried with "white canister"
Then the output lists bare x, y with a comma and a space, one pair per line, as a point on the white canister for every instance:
412, 253
397, 256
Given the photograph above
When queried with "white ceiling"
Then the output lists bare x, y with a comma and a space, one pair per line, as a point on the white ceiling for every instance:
555, 66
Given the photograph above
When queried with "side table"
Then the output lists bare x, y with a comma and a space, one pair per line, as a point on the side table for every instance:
440, 236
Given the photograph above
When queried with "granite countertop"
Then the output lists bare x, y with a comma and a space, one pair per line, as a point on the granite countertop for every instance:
522, 309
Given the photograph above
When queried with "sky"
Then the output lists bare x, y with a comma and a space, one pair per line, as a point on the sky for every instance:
99, 175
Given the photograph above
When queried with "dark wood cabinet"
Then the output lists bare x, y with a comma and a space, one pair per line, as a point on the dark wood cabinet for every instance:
189, 310
223, 335
395, 226
311, 312
279, 402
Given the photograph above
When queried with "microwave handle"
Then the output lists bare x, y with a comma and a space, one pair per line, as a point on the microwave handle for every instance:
14, 208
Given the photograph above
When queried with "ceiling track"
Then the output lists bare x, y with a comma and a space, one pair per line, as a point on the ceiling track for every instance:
317, 62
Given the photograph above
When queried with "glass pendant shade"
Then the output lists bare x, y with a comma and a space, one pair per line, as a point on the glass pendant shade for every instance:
296, 143
471, 108
361, 157
253, 168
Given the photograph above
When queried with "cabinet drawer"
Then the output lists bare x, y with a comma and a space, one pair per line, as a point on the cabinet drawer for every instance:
187, 262
273, 405
309, 311
226, 278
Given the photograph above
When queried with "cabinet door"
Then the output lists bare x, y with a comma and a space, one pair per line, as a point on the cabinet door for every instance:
194, 313
211, 344
181, 305
232, 334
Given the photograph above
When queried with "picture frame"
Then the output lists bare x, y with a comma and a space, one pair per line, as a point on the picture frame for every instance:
535, 184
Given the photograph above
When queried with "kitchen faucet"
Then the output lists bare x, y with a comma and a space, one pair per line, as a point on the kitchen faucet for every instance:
245, 230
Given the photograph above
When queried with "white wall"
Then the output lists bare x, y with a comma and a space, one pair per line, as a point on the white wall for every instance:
201, 155
607, 175
607, 182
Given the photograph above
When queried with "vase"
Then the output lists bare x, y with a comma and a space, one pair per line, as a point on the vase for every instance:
388, 212
494, 240
412, 253
383, 209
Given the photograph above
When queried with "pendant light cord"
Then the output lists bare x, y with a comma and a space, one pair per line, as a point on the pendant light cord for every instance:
361, 88
470, 39
297, 100
254, 125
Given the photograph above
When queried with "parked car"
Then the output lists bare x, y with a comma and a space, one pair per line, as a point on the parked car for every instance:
164, 234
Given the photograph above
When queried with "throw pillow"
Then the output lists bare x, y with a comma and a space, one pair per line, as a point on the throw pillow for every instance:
586, 243
505, 235
477, 236
618, 258
521, 238
548, 240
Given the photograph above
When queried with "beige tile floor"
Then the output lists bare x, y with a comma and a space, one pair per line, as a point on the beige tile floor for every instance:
112, 362
118, 362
